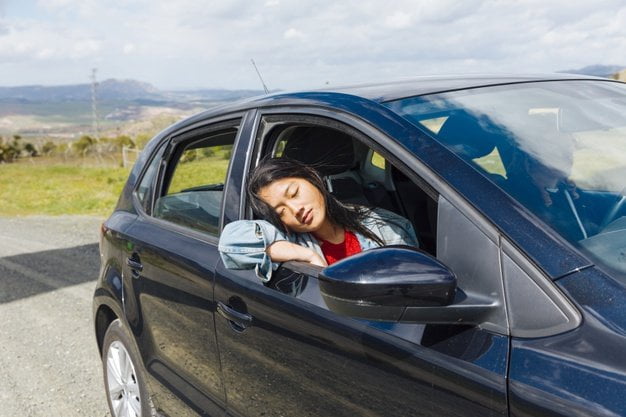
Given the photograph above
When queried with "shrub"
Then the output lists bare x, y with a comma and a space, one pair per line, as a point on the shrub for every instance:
83, 145
48, 148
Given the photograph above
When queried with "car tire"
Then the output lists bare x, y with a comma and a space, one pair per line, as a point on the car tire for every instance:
124, 377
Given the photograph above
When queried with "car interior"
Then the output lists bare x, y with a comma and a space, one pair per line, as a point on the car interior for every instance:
355, 173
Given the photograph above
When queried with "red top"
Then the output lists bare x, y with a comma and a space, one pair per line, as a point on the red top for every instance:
336, 252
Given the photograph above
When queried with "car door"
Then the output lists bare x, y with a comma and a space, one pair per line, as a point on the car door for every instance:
170, 258
285, 352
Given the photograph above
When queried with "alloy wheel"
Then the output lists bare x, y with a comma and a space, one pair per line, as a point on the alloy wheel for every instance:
122, 382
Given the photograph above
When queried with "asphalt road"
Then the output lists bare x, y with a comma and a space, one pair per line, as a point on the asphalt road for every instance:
49, 364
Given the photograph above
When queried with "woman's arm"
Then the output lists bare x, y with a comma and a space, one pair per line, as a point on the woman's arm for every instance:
283, 251
250, 244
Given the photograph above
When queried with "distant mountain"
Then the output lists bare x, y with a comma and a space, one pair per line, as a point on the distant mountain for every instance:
36, 110
213, 94
597, 70
106, 90
118, 90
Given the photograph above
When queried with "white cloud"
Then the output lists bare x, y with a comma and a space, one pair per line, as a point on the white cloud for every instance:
398, 20
306, 43
128, 49
45, 53
293, 33
84, 48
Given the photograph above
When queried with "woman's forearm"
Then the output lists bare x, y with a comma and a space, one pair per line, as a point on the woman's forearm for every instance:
283, 251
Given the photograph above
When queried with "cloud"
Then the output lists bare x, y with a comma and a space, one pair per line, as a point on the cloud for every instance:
83, 48
398, 20
307, 43
128, 49
30, 41
293, 33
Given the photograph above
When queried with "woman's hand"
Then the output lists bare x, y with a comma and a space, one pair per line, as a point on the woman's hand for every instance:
283, 251
317, 260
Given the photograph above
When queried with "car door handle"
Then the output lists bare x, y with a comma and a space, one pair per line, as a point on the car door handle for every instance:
238, 320
134, 264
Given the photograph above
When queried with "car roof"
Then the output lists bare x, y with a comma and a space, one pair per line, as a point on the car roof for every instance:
417, 86
382, 92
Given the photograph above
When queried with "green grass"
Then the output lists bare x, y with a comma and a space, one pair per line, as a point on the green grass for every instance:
51, 186
204, 171
59, 188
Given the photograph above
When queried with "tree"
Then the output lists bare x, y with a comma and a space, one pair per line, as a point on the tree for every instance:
48, 148
83, 145
10, 151
30, 149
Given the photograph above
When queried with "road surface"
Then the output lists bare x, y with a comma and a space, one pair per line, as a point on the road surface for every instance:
49, 364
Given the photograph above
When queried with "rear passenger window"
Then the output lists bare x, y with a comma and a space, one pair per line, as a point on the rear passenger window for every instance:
193, 185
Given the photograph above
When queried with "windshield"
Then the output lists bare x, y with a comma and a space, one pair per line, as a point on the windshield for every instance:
559, 148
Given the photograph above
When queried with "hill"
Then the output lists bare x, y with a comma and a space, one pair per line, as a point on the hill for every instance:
66, 110
116, 90
605, 71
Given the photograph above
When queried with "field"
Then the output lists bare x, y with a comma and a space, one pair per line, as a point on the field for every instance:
87, 186
59, 188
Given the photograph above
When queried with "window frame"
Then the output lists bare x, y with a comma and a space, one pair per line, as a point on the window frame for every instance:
156, 156
344, 122
167, 146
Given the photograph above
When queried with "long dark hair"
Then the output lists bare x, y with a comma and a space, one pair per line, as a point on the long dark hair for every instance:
274, 169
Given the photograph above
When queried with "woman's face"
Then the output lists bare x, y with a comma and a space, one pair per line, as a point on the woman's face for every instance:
299, 204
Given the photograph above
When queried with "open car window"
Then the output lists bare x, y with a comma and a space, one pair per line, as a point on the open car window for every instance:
353, 171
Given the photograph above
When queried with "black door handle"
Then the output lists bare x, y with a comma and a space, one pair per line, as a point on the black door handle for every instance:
239, 321
135, 266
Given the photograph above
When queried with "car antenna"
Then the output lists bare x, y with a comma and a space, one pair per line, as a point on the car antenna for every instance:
259, 74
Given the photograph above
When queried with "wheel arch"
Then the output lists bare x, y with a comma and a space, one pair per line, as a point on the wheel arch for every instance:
104, 317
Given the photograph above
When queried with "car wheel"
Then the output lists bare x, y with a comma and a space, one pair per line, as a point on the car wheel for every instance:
124, 380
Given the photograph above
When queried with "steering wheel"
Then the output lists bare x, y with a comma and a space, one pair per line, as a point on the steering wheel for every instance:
614, 210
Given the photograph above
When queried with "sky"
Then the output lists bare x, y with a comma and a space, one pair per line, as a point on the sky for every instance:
300, 44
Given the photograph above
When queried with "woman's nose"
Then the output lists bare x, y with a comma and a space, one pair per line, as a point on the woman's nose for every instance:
296, 209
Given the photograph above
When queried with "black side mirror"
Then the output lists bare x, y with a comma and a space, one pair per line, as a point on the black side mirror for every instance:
380, 284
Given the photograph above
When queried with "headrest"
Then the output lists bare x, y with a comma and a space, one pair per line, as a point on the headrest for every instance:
328, 150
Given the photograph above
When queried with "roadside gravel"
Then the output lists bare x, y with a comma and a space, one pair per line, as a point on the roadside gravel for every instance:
49, 364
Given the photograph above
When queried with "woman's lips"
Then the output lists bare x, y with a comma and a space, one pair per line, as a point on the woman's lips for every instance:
308, 217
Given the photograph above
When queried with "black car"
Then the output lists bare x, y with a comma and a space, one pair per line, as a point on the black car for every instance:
513, 305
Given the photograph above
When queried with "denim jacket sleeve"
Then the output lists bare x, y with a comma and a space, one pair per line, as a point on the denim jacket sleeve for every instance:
391, 228
243, 243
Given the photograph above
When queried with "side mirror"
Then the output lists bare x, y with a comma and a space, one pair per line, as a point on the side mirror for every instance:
380, 284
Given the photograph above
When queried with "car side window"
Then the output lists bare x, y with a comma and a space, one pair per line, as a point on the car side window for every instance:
352, 170
193, 184
145, 191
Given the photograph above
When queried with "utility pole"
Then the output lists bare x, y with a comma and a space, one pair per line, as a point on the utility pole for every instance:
94, 106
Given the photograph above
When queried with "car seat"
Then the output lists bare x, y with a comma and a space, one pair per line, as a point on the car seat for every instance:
332, 153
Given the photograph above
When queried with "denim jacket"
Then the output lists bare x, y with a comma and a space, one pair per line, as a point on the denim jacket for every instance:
243, 242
